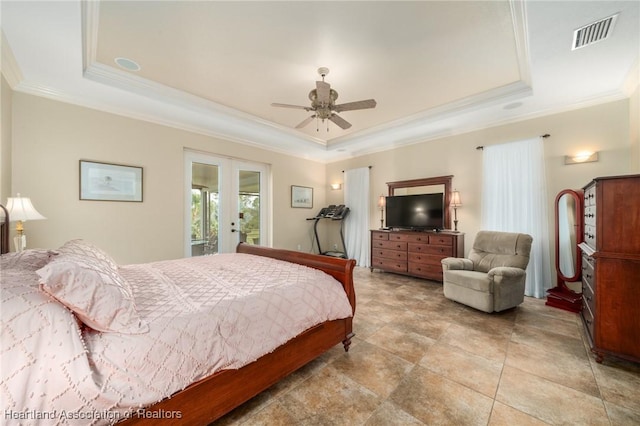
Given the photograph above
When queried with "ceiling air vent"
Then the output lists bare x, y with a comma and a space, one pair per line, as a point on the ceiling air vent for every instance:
594, 32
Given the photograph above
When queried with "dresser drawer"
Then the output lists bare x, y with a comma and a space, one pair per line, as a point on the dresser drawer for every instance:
403, 237
427, 259
391, 245
443, 251
390, 254
587, 319
590, 235
427, 271
588, 297
441, 240
379, 236
388, 264
588, 271
590, 196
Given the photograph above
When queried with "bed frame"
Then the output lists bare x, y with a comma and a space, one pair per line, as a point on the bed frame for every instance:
212, 397
4, 231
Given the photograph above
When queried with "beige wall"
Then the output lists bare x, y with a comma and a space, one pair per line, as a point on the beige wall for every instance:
6, 95
49, 139
45, 167
603, 128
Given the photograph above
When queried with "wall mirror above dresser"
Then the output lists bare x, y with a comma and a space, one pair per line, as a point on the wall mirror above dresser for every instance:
568, 235
426, 186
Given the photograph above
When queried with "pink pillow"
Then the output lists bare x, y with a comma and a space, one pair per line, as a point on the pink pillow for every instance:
90, 252
89, 286
27, 260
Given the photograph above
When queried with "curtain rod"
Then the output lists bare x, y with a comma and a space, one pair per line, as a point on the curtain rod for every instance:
367, 166
546, 135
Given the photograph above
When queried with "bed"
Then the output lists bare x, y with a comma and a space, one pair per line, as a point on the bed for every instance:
105, 390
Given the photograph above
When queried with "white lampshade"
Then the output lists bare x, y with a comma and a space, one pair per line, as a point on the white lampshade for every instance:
455, 199
21, 209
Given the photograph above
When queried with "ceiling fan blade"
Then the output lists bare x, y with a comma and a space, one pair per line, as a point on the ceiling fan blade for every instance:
305, 122
341, 122
350, 106
292, 106
323, 90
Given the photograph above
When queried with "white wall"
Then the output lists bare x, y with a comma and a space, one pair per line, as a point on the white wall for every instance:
49, 139
603, 128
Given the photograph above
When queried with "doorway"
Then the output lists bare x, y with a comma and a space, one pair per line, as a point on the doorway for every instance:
226, 202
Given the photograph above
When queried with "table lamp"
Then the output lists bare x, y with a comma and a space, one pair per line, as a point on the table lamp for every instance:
20, 210
455, 203
381, 202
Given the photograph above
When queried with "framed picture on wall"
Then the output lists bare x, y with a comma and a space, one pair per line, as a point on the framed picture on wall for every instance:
301, 197
110, 182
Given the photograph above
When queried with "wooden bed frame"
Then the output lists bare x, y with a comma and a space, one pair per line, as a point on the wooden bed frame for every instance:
4, 231
211, 398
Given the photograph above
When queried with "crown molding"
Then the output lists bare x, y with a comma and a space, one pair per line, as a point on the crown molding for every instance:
520, 31
9, 66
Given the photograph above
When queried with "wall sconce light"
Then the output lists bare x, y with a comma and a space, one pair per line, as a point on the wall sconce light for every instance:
20, 210
381, 202
581, 157
336, 186
455, 203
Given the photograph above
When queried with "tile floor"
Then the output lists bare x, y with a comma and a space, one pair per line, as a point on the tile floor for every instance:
420, 359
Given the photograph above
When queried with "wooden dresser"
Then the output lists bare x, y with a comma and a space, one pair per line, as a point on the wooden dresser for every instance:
414, 253
611, 266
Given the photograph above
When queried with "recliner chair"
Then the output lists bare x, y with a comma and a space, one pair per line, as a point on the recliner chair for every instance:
492, 279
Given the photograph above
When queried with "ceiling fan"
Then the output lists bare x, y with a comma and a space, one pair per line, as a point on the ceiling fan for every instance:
323, 105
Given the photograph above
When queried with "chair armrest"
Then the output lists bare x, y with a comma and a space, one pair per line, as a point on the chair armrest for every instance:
506, 272
456, 263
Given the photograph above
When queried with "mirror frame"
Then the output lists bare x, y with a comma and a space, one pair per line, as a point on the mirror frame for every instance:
578, 196
438, 180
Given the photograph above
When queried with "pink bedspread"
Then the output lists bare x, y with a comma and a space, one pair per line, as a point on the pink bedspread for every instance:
204, 314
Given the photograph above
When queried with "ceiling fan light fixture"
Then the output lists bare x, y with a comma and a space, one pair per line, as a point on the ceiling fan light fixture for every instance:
323, 104
323, 71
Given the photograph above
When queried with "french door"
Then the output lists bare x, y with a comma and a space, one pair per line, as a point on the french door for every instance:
226, 201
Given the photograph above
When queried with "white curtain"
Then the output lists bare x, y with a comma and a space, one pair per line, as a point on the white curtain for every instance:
514, 199
356, 197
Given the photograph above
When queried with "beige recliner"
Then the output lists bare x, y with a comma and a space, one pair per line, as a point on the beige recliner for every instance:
493, 277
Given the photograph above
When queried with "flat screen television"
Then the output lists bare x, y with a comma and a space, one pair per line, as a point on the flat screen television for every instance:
421, 211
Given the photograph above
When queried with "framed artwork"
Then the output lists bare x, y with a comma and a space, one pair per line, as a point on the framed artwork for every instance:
110, 182
301, 197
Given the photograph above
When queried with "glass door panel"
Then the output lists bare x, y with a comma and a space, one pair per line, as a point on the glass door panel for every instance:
249, 206
204, 208
226, 202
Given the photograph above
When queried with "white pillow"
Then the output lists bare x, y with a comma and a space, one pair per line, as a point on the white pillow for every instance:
83, 279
